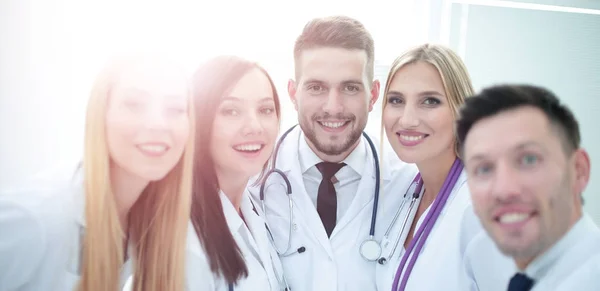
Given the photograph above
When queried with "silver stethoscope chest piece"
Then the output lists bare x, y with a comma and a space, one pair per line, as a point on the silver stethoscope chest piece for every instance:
370, 250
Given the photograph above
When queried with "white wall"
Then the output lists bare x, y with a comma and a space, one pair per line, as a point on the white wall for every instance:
555, 47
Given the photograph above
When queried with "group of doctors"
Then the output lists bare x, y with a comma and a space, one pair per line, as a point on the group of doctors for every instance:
186, 187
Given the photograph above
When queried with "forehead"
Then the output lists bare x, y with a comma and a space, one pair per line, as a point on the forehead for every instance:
332, 65
509, 129
254, 85
417, 77
154, 79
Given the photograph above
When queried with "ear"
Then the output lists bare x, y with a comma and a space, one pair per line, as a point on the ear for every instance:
374, 94
292, 92
582, 170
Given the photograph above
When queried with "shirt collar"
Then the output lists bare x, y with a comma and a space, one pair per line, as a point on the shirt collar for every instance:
355, 160
540, 266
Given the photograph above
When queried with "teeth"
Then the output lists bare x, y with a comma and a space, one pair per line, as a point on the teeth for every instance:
513, 217
153, 148
412, 137
248, 147
333, 124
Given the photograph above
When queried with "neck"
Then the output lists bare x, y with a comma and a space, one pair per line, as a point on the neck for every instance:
523, 262
332, 158
434, 172
233, 185
126, 188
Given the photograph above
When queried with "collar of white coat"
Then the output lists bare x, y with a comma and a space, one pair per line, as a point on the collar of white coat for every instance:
355, 160
234, 221
291, 154
538, 268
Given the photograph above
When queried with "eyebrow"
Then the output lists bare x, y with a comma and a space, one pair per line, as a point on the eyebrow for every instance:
392, 92
141, 92
237, 99
520, 146
424, 93
430, 92
351, 81
134, 91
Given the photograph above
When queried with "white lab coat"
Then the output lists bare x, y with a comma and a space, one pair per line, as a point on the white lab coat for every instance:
264, 267
573, 263
41, 232
327, 263
437, 267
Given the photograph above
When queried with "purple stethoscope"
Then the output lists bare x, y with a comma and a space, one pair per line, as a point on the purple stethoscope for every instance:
424, 230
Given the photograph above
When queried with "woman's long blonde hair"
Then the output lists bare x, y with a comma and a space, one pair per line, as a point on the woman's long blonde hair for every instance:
452, 70
158, 220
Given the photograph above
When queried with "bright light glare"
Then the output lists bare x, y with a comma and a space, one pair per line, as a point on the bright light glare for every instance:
56, 48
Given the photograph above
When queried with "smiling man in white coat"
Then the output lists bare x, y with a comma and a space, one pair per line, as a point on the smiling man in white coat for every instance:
330, 165
527, 171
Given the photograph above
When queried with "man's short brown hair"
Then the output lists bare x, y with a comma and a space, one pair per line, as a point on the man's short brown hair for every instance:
338, 32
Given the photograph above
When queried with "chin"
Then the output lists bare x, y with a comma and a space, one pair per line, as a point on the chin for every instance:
250, 170
153, 175
409, 157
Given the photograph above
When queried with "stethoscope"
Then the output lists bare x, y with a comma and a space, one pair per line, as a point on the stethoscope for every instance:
416, 186
421, 235
370, 249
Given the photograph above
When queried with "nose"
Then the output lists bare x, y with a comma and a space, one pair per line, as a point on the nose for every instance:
410, 118
334, 103
252, 125
156, 118
505, 184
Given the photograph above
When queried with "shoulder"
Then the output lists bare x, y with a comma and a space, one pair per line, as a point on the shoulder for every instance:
32, 220
470, 225
44, 201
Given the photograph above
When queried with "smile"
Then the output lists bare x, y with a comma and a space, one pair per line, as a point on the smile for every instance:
330, 124
513, 217
249, 147
412, 137
153, 149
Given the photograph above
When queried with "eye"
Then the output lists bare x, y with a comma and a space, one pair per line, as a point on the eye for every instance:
529, 159
352, 88
267, 110
482, 169
176, 110
315, 88
394, 100
134, 105
230, 112
431, 101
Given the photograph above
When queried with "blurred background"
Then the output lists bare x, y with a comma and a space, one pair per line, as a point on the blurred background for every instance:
51, 50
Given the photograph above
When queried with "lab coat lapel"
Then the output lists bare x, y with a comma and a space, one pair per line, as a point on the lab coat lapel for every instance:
365, 191
257, 227
304, 209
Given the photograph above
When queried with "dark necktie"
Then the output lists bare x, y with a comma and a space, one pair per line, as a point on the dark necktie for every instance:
326, 199
520, 282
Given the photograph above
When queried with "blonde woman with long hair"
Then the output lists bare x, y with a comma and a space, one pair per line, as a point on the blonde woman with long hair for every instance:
126, 211
435, 222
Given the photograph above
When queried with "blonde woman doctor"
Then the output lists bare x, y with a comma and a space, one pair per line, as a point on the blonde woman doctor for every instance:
125, 211
434, 220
